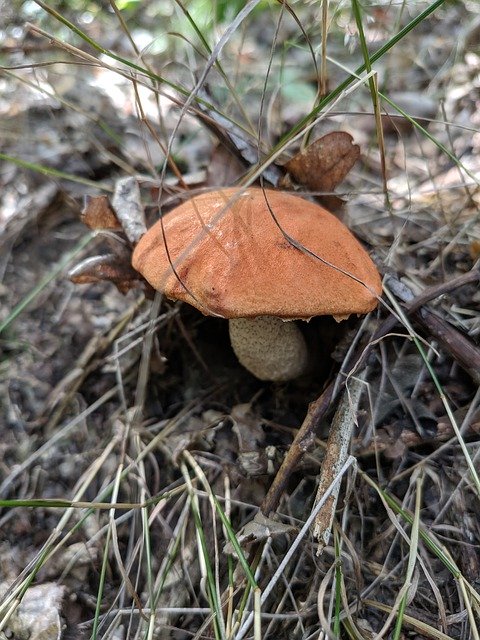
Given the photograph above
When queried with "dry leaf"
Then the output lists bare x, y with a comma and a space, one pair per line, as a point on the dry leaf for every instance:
258, 530
475, 249
128, 206
224, 169
325, 162
98, 213
252, 452
106, 267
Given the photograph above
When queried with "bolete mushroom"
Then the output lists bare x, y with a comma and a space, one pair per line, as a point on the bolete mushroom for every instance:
260, 258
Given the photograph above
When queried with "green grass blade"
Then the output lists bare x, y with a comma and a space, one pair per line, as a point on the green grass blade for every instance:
45, 281
101, 586
354, 76
438, 386
55, 173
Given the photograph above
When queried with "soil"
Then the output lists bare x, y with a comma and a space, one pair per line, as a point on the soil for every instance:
115, 398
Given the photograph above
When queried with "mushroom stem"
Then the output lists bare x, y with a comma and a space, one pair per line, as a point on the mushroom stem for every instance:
270, 348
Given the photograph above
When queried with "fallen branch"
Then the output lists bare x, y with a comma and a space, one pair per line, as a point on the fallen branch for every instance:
462, 350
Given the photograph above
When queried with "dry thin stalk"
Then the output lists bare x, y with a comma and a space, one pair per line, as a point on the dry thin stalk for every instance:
322, 597
380, 134
144, 368
465, 352
421, 627
336, 454
257, 619
293, 547
13, 598
303, 441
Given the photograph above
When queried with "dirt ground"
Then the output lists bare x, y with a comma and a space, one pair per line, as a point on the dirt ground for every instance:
111, 398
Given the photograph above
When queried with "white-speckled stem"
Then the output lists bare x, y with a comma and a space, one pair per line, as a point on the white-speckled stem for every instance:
269, 347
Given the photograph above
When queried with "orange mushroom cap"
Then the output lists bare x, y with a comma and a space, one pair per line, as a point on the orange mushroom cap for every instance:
231, 259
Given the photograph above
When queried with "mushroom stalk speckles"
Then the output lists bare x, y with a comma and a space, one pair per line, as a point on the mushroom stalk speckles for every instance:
270, 348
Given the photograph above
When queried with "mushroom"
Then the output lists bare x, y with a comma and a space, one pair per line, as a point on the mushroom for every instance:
260, 258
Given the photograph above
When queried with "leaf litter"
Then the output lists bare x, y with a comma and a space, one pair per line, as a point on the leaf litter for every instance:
72, 361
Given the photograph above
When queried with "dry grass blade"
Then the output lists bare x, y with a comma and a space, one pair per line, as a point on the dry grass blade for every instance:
442, 395
125, 441
305, 528
418, 625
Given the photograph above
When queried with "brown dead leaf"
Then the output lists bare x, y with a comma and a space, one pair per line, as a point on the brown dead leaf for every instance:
475, 249
98, 213
325, 162
224, 169
106, 267
258, 530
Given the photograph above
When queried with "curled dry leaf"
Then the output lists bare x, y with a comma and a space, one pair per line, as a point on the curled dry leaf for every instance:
325, 162
128, 206
252, 452
257, 530
98, 213
106, 267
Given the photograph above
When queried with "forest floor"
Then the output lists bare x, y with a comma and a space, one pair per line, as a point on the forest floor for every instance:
129, 503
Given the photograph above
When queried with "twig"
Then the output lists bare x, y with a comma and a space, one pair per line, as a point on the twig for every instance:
462, 350
465, 352
334, 483
336, 453
446, 287
302, 442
